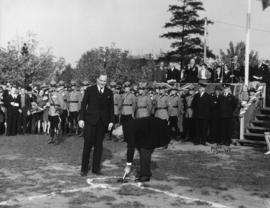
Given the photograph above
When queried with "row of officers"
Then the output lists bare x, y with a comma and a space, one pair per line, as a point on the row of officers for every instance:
195, 115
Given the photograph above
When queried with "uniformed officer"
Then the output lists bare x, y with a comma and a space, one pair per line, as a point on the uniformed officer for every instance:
189, 123
175, 108
128, 104
143, 103
117, 101
63, 96
74, 104
85, 84
161, 104
226, 106
54, 113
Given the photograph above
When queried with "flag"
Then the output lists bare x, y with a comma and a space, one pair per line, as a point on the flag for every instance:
265, 4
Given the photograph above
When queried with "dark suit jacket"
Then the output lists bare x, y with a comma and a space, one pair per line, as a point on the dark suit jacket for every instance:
147, 133
173, 74
201, 106
227, 105
96, 106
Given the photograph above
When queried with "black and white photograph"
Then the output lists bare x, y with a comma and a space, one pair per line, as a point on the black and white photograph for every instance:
134, 103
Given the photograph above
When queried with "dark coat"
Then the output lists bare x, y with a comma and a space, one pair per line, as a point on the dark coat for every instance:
192, 75
227, 105
96, 106
214, 105
201, 106
173, 74
147, 133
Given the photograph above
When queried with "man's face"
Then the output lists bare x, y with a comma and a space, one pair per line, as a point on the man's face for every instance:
102, 80
192, 62
127, 89
202, 89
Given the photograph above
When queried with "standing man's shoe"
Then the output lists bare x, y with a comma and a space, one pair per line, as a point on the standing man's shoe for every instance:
83, 174
142, 179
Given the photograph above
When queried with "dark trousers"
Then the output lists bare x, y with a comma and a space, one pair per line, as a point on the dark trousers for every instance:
124, 120
174, 131
54, 120
226, 130
215, 130
201, 127
73, 120
189, 128
63, 116
23, 121
34, 122
116, 119
145, 162
13, 116
93, 137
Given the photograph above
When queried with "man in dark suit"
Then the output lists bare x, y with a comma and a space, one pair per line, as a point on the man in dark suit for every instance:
214, 117
96, 117
226, 106
144, 134
201, 106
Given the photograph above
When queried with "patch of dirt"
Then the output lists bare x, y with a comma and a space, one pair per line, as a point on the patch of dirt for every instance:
132, 190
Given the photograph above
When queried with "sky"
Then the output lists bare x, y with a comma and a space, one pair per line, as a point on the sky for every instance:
71, 27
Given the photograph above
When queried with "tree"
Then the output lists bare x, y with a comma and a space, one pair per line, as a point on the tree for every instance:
188, 30
21, 64
67, 75
237, 53
118, 63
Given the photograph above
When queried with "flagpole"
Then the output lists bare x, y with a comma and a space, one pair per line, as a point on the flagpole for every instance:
247, 43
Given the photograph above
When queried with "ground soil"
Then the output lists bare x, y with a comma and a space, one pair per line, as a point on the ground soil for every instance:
36, 174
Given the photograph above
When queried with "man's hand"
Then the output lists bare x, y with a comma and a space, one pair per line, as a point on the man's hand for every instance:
81, 124
127, 170
110, 126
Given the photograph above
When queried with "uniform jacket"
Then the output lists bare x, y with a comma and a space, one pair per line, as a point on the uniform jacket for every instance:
96, 106
128, 104
74, 101
117, 103
143, 106
175, 105
55, 104
162, 106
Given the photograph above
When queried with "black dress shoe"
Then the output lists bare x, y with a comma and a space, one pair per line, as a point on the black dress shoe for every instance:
97, 172
83, 173
142, 179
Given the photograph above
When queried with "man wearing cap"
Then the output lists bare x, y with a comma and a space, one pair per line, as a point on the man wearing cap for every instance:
117, 101
214, 119
54, 113
189, 123
128, 104
63, 96
143, 104
161, 103
74, 104
97, 116
201, 105
227, 104
175, 109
